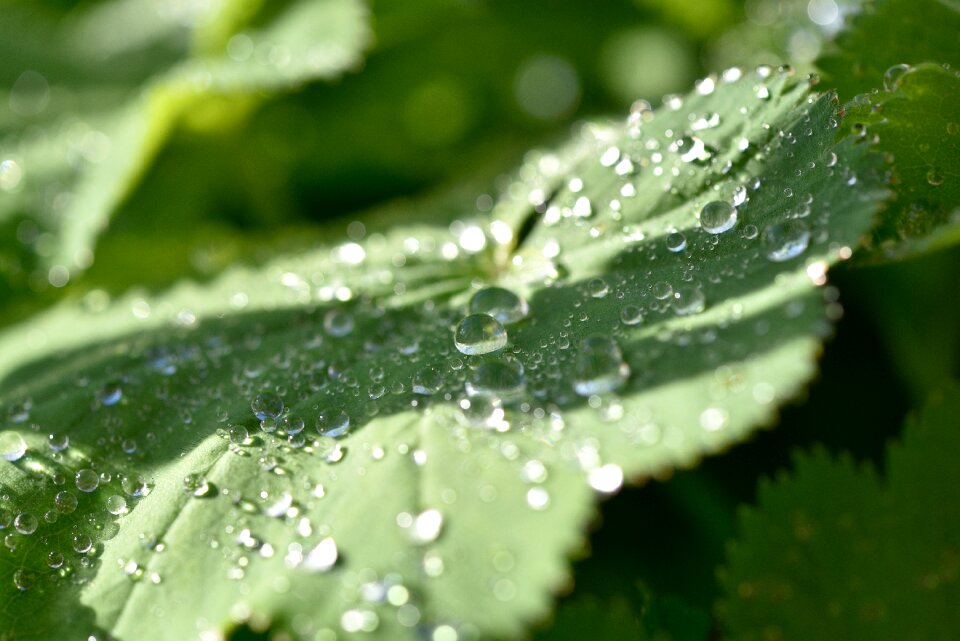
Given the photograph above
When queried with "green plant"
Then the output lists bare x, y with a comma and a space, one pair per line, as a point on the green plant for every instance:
275, 429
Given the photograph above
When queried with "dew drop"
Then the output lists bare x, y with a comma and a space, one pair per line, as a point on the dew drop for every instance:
333, 422
894, 75
480, 334
196, 484
110, 394
676, 242
26, 523
606, 479
427, 381
24, 579
426, 526
267, 405
134, 485
502, 380
58, 442
338, 323
238, 434
785, 240
500, 303
599, 367
12, 445
291, 424
322, 557
687, 301
116, 505
65, 502
717, 217
597, 287
87, 480
631, 315
935, 177
81, 543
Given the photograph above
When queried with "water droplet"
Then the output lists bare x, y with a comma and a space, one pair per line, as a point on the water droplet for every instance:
87, 480
785, 240
894, 75
134, 485
503, 380
631, 315
426, 526
24, 579
291, 424
597, 287
338, 322
238, 434
65, 502
427, 381
538, 498
662, 290
197, 485
12, 445
55, 559
599, 367
333, 422
322, 557
116, 505
676, 242
935, 177
25, 523
110, 394
58, 442
688, 301
606, 479
500, 303
717, 217
267, 405
480, 334
82, 543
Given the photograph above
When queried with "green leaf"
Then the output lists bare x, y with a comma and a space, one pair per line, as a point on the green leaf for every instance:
888, 33
834, 552
464, 481
70, 163
917, 122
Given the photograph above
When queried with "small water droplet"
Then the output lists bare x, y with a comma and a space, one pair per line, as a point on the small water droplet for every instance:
81, 543
338, 323
24, 579
26, 523
935, 177
599, 367
676, 242
785, 240
12, 445
291, 424
110, 394
500, 303
322, 556
427, 381
597, 287
58, 442
606, 479
480, 334
894, 75
503, 380
65, 502
134, 485
687, 301
631, 315
197, 485
87, 480
333, 422
426, 526
116, 505
267, 405
717, 217
238, 434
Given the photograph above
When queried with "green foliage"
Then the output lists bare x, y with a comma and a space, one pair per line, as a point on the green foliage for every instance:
833, 552
670, 271
888, 33
917, 122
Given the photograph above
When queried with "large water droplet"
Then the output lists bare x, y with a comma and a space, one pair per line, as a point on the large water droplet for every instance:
480, 334
333, 422
785, 240
116, 505
12, 445
676, 242
65, 502
500, 303
687, 301
26, 523
717, 217
197, 485
599, 367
